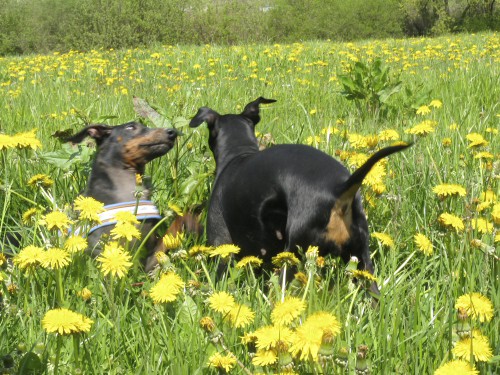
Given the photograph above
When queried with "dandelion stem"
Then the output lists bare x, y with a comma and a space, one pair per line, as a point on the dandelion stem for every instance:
207, 274
145, 239
308, 285
59, 287
193, 275
283, 283
58, 352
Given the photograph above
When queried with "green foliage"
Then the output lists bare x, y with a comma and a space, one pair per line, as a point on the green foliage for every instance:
411, 331
370, 86
46, 25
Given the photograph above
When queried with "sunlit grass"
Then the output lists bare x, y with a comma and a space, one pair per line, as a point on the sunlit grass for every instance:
433, 212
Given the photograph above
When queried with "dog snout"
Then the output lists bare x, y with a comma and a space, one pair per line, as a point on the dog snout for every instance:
172, 134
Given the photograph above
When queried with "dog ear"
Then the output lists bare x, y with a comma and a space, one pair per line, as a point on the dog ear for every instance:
204, 114
252, 109
97, 131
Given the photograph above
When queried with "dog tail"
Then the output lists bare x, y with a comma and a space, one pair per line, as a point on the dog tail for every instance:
348, 190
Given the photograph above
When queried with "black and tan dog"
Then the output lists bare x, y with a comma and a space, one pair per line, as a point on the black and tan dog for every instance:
122, 153
283, 197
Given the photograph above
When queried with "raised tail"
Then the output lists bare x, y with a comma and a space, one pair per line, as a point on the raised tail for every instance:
347, 191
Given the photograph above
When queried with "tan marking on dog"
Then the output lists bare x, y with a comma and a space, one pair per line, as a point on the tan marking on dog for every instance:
338, 229
134, 154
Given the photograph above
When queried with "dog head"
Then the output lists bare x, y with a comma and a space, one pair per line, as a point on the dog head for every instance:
231, 129
131, 144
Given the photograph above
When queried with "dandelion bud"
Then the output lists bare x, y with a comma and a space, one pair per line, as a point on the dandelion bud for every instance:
208, 324
161, 258
85, 293
463, 325
342, 357
362, 361
352, 265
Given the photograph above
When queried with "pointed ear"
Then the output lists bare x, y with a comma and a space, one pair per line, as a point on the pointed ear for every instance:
204, 114
252, 109
99, 132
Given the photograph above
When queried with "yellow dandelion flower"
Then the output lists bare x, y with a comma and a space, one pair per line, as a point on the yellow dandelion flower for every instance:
436, 103
29, 215
372, 141
312, 140
423, 128
40, 180
273, 337
240, 316
301, 277
221, 302
125, 230
482, 225
446, 142
423, 110
27, 140
265, 358
56, 220
167, 289
7, 142
208, 324
476, 140
363, 275
456, 367
199, 250
225, 250
376, 175
75, 244
495, 213
284, 313
357, 140
251, 261
446, 190
388, 135
451, 221
29, 257
321, 327
114, 260
423, 243
285, 257
453, 126
55, 258
484, 155
85, 294
329, 130
478, 345
488, 196
223, 362
89, 208
476, 305
173, 242
384, 238
65, 322
176, 209
482, 206
126, 217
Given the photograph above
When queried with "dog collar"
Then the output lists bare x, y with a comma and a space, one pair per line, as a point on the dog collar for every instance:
142, 209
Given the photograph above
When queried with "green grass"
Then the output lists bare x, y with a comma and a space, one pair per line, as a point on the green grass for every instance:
413, 328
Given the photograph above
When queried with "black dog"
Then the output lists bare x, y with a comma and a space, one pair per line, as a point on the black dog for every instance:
122, 153
285, 196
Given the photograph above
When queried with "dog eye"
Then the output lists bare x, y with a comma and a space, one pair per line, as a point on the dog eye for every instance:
130, 127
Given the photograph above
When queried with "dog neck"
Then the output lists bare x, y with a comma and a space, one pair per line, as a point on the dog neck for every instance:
112, 184
227, 148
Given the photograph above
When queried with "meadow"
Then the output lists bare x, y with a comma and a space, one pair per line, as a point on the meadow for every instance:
433, 211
